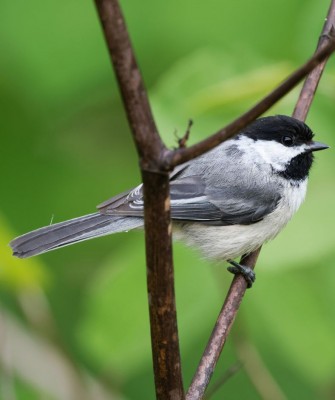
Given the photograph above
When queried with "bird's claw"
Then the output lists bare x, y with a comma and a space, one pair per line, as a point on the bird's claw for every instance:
248, 274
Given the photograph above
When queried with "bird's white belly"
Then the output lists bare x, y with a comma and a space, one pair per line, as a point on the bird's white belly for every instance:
224, 242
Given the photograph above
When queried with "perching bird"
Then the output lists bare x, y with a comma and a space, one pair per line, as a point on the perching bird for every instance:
226, 202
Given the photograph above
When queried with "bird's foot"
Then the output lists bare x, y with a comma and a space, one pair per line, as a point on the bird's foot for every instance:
248, 274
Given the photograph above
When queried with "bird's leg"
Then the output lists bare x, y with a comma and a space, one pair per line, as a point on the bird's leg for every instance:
248, 274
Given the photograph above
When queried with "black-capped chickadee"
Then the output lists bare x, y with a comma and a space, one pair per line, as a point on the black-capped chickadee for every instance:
226, 202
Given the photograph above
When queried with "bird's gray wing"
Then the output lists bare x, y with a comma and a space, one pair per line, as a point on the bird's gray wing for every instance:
132, 197
193, 200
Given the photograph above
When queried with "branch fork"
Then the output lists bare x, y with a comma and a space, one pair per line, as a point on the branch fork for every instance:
155, 163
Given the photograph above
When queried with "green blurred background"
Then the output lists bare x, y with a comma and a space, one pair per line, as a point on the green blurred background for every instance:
74, 323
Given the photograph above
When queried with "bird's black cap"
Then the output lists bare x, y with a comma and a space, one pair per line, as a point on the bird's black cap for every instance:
277, 128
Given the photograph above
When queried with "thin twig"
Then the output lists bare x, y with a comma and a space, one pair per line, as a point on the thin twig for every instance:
238, 287
183, 141
160, 276
255, 368
229, 373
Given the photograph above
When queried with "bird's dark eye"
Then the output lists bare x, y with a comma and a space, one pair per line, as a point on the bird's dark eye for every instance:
287, 141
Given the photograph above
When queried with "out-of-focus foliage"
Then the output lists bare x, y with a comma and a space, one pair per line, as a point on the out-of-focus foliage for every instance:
65, 147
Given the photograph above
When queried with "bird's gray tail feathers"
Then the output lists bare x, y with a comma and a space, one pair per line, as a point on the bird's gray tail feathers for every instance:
72, 231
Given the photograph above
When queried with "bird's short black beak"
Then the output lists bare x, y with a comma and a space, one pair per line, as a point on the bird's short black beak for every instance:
316, 146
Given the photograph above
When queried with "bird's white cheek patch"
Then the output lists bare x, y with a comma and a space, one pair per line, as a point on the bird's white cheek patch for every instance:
275, 153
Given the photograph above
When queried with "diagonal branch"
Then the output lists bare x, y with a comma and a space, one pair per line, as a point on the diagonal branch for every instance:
238, 287
184, 154
311, 83
220, 333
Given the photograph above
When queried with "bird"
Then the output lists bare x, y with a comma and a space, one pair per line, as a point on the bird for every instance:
226, 202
